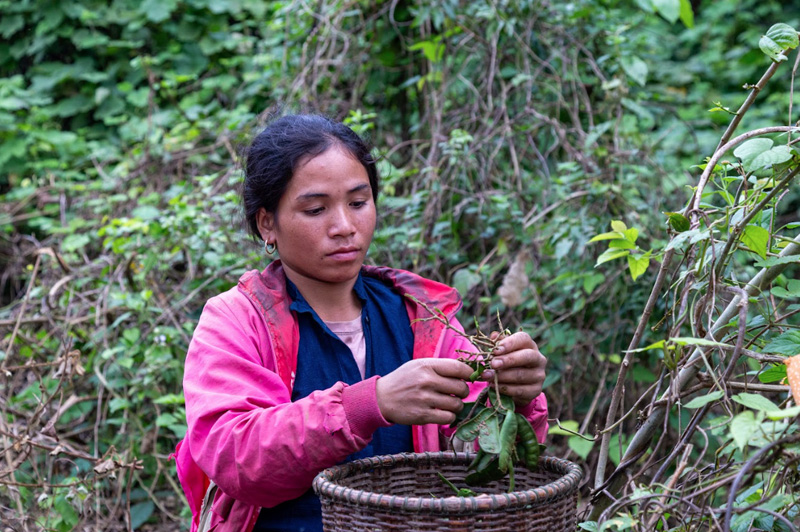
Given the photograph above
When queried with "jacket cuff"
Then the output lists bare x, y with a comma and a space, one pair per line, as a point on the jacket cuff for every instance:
360, 403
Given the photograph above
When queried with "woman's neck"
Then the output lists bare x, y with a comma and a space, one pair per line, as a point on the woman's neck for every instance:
331, 301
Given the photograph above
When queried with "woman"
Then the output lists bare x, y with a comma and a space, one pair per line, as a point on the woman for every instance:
318, 359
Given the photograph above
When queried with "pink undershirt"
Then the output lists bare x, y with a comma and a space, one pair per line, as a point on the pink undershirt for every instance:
352, 334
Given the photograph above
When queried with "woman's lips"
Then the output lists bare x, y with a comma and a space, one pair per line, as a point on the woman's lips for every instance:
345, 254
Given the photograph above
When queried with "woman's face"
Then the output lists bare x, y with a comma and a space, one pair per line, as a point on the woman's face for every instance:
324, 222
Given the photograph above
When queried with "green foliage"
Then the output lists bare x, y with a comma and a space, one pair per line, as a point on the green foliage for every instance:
778, 39
623, 244
510, 135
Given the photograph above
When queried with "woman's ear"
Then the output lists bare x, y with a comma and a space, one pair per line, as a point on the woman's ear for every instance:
266, 225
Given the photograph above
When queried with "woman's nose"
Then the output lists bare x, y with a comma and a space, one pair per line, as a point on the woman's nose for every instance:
341, 222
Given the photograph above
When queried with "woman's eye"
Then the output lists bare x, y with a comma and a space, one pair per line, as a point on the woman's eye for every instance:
358, 204
314, 212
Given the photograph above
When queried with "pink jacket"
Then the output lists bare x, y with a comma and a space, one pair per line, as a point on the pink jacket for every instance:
244, 432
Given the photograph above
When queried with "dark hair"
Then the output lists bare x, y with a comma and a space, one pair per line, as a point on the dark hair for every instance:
272, 158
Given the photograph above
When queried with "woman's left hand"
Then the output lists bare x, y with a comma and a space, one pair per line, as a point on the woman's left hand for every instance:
519, 366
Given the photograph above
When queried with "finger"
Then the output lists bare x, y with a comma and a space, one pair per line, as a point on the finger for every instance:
531, 358
521, 376
447, 367
521, 394
449, 386
446, 402
515, 342
437, 417
515, 376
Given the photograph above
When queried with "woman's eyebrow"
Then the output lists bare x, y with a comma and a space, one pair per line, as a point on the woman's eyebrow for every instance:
311, 195
316, 195
359, 188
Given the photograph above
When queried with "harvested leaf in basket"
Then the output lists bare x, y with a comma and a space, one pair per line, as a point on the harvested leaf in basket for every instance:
504, 438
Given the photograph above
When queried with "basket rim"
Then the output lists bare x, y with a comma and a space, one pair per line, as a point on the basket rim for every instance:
324, 485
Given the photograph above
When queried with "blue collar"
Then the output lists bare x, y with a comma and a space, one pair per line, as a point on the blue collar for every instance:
299, 303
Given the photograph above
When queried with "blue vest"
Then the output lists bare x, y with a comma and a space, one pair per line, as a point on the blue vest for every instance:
323, 360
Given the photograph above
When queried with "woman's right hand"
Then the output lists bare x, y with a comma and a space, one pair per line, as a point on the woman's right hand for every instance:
422, 391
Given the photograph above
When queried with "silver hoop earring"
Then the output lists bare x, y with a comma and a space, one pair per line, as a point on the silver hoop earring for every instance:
270, 248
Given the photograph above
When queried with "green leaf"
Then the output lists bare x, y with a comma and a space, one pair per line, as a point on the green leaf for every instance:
631, 234
580, 446
591, 526
772, 49
12, 148
12, 103
568, 424
687, 15
177, 399
465, 280
692, 236
140, 513
507, 403
759, 153
433, 50
646, 118
635, 68
743, 426
10, 24
614, 235
470, 430
786, 344
118, 403
56, 138
619, 226
776, 415
611, 254
778, 38
74, 242
158, 10
638, 265
69, 516
618, 523
596, 132
774, 373
657, 345
688, 340
166, 419
70, 106
621, 244
756, 238
769, 262
678, 222
755, 401
591, 281
792, 289
146, 212
489, 436
698, 402
669, 9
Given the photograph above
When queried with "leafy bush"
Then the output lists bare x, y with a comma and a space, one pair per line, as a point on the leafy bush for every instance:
511, 134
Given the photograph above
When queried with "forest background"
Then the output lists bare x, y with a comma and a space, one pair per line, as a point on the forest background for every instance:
548, 159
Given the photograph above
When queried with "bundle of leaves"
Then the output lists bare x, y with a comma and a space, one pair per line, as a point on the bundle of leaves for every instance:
504, 438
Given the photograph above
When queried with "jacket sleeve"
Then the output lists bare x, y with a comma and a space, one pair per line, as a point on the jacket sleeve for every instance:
535, 411
243, 430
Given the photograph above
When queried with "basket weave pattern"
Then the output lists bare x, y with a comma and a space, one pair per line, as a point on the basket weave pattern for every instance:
403, 492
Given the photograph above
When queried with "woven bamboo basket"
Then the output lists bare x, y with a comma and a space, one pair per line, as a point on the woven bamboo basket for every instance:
403, 492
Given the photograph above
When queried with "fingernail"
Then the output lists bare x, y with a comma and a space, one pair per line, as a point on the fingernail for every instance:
499, 349
497, 364
487, 375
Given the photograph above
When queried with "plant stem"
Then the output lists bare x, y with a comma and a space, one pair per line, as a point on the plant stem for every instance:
641, 439
747, 103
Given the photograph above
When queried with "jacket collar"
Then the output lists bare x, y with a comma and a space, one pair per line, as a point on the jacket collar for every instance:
267, 291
